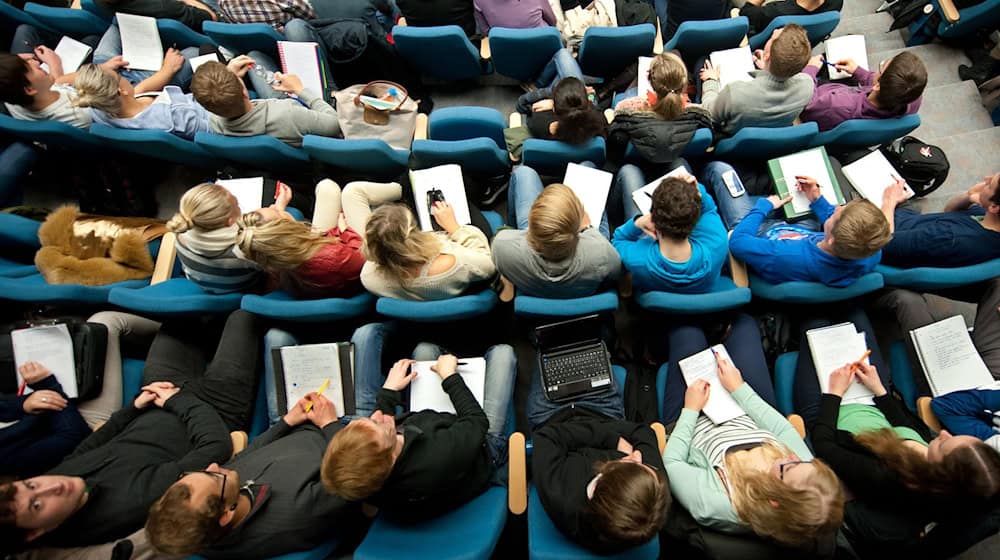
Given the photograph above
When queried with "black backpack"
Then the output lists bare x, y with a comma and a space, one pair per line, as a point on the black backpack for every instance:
924, 167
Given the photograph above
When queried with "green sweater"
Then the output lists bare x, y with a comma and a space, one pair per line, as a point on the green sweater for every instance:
694, 482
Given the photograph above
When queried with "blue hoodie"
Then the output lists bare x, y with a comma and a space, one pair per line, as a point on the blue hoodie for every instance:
787, 258
650, 270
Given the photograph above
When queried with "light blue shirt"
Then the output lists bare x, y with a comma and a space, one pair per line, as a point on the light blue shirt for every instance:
182, 116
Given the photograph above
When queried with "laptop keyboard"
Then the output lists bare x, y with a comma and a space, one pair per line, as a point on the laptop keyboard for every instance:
560, 370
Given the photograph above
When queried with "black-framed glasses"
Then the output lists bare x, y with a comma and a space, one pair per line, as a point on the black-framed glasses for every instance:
785, 466
222, 493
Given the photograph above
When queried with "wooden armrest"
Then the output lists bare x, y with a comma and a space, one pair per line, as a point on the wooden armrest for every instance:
949, 11
507, 291
164, 266
609, 115
420, 131
738, 269
99, 425
625, 285
661, 435
240, 440
658, 40
735, 12
517, 483
515, 119
927, 415
484, 49
401, 21
800, 426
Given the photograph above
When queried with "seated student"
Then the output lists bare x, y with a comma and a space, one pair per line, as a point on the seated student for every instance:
973, 412
223, 93
513, 14
751, 473
191, 13
658, 125
555, 252
265, 502
776, 95
847, 247
599, 477
407, 263
275, 13
32, 94
967, 232
675, 12
430, 462
44, 425
680, 246
179, 68
429, 13
762, 12
891, 92
562, 112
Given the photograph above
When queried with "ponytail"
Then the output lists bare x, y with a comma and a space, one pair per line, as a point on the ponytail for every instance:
206, 206
668, 78
578, 120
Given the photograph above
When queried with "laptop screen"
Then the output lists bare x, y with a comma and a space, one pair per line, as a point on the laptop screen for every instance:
573, 331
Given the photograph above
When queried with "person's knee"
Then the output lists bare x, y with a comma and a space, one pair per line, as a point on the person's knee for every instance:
276, 338
368, 334
631, 177
502, 355
296, 28
425, 352
327, 189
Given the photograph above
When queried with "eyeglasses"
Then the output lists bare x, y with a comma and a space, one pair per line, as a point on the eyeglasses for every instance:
785, 466
222, 493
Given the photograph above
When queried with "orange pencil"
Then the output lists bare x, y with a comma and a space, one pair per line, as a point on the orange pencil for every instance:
859, 360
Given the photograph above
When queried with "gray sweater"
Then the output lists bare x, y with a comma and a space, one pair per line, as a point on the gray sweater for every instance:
764, 101
285, 119
594, 264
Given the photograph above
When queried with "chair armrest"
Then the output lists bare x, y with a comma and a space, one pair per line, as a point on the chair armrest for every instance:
609, 115
239, 441
164, 266
949, 11
927, 415
800, 426
401, 21
515, 119
739, 270
99, 425
484, 49
661, 435
517, 484
507, 290
420, 131
658, 40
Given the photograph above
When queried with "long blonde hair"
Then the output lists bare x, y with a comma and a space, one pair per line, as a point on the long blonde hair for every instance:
788, 514
206, 206
554, 222
97, 89
668, 77
282, 244
394, 242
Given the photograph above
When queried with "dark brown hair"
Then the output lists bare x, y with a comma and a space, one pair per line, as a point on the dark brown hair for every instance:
902, 81
13, 80
629, 505
676, 208
176, 526
12, 538
355, 464
790, 52
578, 120
218, 90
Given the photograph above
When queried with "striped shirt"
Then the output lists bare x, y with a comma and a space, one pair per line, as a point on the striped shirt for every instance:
275, 13
714, 440
221, 272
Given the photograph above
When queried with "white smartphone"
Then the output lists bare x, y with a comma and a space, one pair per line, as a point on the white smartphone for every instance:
733, 183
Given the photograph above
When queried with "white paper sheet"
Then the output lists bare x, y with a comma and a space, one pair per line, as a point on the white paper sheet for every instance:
591, 186
141, 46
249, 192
643, 78
834, 347
871, 175
426, 392
949, 357
448, 180
811, 164
302, 59
643, 197
306, 367
71, 53
734, 65
197, 61
721, 406
846, 47
51, 346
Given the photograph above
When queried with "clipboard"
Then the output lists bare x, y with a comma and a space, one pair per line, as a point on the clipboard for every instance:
344, 374
813, 162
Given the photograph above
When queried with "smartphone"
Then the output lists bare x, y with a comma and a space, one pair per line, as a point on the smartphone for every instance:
433, 197
733, 183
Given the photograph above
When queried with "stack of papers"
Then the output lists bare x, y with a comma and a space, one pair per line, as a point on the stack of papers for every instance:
643, 197
249, 192
834, 347
426, 392
734, 65
843, 48
871, 175
591, 186
721, 406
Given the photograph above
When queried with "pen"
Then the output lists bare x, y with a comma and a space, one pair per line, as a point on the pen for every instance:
861, 359
827, 62
318, 393
647, 194
20, 390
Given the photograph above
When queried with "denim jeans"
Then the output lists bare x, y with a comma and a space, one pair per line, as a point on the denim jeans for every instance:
368, 375
16, 161
299, 30
524, 187
734, 209
275, 338
540, 409
562, 65
110, 46
27, 37
630, 179
262, 74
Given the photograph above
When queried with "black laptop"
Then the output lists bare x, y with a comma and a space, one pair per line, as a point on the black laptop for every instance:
573, 359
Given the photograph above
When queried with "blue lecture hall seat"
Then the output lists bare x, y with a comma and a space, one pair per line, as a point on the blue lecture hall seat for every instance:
157, 144
521, 54
282, 306
724, 295
90, 6
469, 136
257, 152
441, 311
862, 133
174, 297
442, 52
529, 306
605, 51
813, 292
695, 39
52, 133
12, 17
370, 158
67, 21
242, 38
982, 16
764, 143
926, 279
175, 34
818, 27
18, 243
550, 157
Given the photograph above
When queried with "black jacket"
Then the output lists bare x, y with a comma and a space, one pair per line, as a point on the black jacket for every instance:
657, 140
132, 460
761, 16
566, 448
444, 462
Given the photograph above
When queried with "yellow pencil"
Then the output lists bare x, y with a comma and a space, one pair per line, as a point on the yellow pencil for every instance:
318, 393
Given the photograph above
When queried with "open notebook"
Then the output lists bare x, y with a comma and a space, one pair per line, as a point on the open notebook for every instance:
871, 175
426, 392
591, 186
846, 47
948, 356
304, 60
249, 192
72, 54
300, 370
734, 65
721, 406
834, 347
51, 346
810, 163
443, 182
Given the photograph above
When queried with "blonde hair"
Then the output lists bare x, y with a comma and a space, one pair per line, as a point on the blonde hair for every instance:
861, 230
281, 244
97, 89
554, 223
668, 77
206, 207
792, 516
394, 242
355, 464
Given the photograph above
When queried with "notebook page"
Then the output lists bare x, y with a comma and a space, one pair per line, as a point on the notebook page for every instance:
834, 347
197, 61
643, 197
643, 79
307, 367
844, 47
302, 59
51, 346
721, 406
734, 65
448, 180
426, 392
811, 164
871, 175
72, 53
141, 46
949, 357
591, 186
248, 192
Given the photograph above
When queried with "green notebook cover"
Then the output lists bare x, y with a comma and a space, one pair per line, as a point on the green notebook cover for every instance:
824, 177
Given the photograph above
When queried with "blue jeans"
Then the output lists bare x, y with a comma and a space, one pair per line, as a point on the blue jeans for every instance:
524, 187
562, 65
734, 209
630, 179
110, 46
540, 409
299, 30
743, 345
368, 376
16, 161
262, 74
274, 338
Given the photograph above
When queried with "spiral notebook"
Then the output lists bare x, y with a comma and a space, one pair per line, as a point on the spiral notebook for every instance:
304, 60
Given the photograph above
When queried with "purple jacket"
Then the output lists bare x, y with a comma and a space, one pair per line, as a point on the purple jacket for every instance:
833, 104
